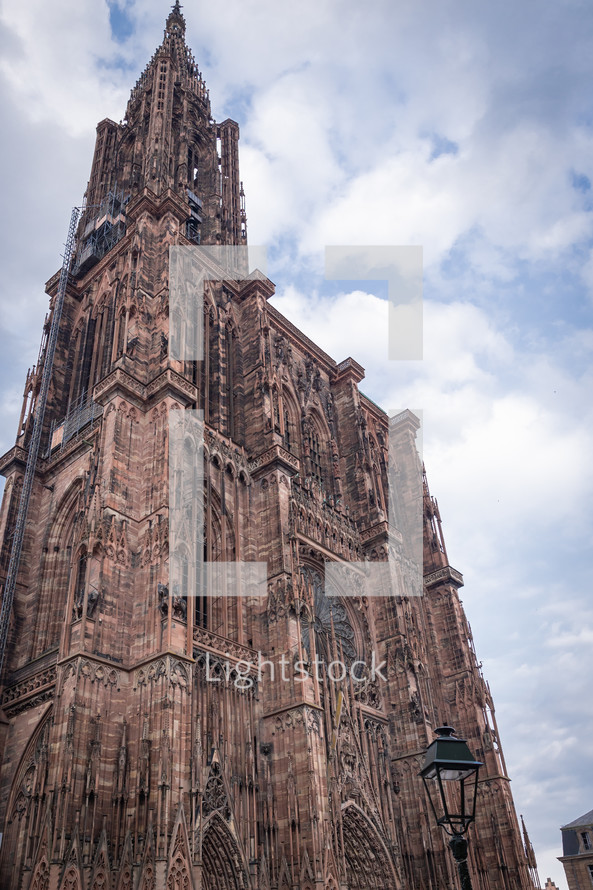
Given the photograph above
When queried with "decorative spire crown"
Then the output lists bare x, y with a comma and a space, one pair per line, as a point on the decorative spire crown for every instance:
175, 21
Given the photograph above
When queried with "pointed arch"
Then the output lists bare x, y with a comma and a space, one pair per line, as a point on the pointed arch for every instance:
215, 611
315, 449
223, 865
147, 880
58, 567
101, 876
126, 867
369, 865
104, 314
73, 363
71, 879
213, 389
179, 870
232, 374
216, 792
12, 491
41, 876
71, 874
27, 806
285, 877
41, 872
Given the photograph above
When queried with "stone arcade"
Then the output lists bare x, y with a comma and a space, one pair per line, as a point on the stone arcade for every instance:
122, 765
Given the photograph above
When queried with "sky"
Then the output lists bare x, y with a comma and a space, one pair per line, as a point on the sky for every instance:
462, 126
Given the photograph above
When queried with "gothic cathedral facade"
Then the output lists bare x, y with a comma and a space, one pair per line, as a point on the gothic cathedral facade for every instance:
131, 758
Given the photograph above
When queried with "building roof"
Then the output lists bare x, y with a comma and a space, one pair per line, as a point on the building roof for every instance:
587, 819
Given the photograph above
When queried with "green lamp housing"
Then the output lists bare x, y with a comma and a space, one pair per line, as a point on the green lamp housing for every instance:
448, 759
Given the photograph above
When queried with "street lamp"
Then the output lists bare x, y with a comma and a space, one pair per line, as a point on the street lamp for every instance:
448, 759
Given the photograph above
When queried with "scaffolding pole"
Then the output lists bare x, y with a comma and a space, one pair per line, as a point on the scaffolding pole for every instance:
21, 520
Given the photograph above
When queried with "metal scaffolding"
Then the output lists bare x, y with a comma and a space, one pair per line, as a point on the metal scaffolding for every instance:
102, 231
21, 520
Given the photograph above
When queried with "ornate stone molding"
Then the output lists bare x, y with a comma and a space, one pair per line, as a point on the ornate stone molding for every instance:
30, 692
16, 455
177, 672
323, 523
447, 574
120, 380
83, 668
171, 381
215, 443
301, 716
208, 641
275, 457
378, 532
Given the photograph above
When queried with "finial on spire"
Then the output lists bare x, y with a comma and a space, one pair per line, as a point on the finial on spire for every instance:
175, 19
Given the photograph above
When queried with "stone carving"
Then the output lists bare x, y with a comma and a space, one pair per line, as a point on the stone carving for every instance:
208, 641
302, 716
280, 598
330, 620
179, 603
215, 796
177, 672
43, 680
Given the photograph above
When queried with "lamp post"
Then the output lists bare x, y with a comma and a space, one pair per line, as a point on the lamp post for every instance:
449, 760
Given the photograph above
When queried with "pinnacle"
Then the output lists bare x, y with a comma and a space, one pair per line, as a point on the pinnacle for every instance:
175, 20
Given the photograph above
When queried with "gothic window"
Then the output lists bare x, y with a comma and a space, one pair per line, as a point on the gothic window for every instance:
71, 363
15, 497
41, 877
201, 617
330, 623
80, 584
287, 437
184, 576
102, 349
81, 358
289, 417
315, 455
230, 384
121, 333
212, 609
85, 367
212, 368
105, 361
55, 582
192, 168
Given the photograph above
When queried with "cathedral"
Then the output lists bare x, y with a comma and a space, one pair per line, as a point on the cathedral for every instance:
142, 746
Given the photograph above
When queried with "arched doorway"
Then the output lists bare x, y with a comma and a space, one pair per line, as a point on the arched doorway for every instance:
368, 863
222, 865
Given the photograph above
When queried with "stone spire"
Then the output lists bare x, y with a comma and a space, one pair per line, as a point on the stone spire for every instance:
169, 144
175, 21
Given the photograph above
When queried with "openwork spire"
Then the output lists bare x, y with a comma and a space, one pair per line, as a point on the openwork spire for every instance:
173, 47
175, 25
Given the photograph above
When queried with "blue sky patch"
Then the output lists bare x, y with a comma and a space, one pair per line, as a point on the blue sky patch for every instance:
120, 22
442, 146
580, 182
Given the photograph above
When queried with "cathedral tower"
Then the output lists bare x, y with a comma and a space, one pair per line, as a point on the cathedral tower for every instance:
143, 743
